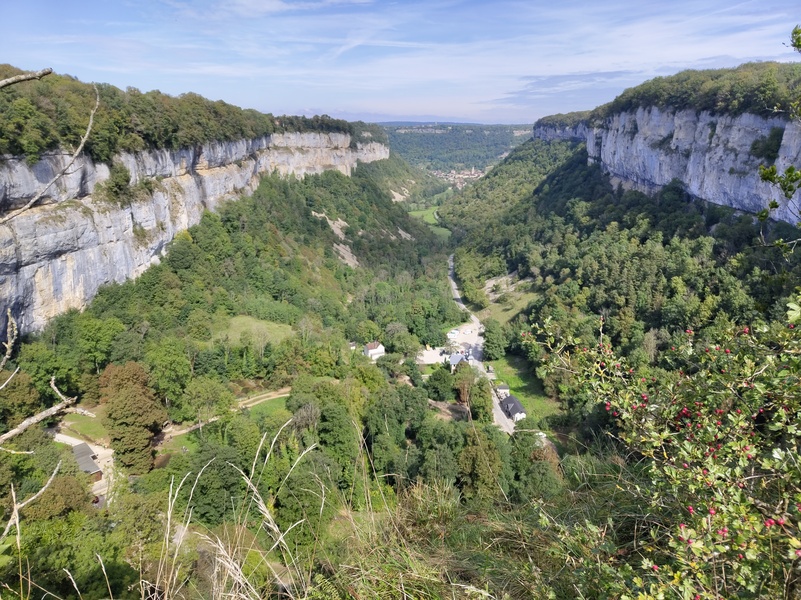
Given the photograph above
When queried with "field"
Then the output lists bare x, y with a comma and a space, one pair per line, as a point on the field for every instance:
260, 330
505, 312
268, 408
428, 216
517, 374
86, 427
174, 445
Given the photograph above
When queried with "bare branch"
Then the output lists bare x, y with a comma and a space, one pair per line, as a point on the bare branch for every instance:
25, 77
38, 417
61, 173
10, 377
11, 337
18, 506
2, 449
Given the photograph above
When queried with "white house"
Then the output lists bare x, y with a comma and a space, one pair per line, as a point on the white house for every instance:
513, 409
374, 350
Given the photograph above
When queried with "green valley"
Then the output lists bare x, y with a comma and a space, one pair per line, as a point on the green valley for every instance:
276, 432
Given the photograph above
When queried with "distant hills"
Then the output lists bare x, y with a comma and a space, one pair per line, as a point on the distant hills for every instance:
454, 146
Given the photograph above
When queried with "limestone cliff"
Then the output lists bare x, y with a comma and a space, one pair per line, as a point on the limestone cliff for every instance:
55, 256
710, 154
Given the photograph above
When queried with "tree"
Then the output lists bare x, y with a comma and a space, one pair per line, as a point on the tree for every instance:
19, 399
464, 378
440, 444
95, 337
789, 181
536, 469
169, 367
38, 75
338, 437
133, 416
481, 401
65, 494
494, 340
480, 468
115, 378
440, 384
205, 398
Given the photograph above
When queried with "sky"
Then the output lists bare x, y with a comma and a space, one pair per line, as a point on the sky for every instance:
504, 61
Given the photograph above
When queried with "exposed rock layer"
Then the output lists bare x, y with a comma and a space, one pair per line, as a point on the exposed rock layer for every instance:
710, 154
54, 257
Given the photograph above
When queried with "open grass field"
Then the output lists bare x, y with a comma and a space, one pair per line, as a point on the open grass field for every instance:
440, 232
516, 302
259, 330
175, 445
87, 427
517, 374
267, 408
428, 217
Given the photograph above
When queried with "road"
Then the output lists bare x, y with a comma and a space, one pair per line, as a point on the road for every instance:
470, 338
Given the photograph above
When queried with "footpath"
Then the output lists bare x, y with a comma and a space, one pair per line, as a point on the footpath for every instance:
171, 432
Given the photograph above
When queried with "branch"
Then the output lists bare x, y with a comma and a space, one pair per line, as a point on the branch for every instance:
61, 173
18, 506
45, 414
10, 377
11, 337
25, 77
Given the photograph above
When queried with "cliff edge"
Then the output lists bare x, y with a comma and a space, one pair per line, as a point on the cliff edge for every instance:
55, 256
716, 157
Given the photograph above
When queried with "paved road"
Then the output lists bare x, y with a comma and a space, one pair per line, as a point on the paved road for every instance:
470, 337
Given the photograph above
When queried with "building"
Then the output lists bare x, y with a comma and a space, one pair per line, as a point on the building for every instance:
502, 390
455, 359
513, 409
374, 350
85, 457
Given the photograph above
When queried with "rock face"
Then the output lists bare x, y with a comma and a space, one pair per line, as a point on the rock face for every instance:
710, 154
577, 133
54, 257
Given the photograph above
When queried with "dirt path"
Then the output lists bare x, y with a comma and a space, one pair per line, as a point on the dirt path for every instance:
250, 402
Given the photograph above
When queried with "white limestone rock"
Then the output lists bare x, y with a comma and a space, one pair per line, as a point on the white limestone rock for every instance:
55, 256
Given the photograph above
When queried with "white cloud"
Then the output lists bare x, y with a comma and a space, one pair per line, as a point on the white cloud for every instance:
493, 60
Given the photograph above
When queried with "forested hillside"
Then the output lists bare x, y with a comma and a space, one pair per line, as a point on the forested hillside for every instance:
651, 319
454, 146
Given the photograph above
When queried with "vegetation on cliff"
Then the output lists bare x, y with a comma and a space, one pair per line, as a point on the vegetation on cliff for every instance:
757, 88
564, 119
51, 113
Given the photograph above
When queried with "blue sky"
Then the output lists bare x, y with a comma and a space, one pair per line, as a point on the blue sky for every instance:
505, 61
